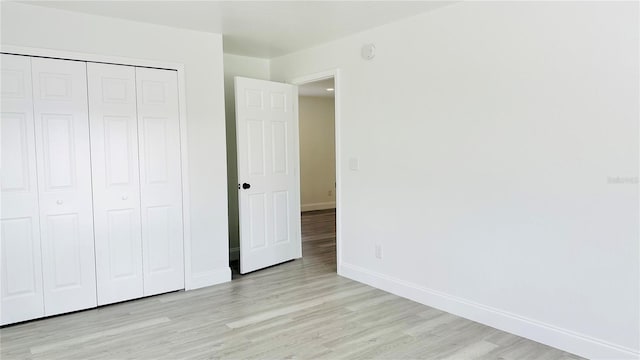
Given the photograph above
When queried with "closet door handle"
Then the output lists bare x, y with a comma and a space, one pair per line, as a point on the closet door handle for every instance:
124, 197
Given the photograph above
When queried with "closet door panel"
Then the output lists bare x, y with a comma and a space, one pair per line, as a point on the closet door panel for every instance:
64, 181
116, 185
160, 180
21, 267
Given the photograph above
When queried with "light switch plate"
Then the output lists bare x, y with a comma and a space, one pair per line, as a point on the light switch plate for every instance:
354, 164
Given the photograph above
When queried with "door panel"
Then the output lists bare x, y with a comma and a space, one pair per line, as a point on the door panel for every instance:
160, 180
123, 246
21, 267
267, 127
116, 185
63, 233
18, 256
159, 221
64, 169
16, 139
258, 220
59, 150
279, 137
255, 147
281, 213
155, 149
119, 153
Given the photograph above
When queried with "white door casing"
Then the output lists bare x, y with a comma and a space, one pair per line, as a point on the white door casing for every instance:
160, 180
116, 185
22, 293
268, 157
64, 181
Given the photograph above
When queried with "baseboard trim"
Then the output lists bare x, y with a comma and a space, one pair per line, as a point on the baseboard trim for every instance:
234, 253
318, 206
563, 339
209, 278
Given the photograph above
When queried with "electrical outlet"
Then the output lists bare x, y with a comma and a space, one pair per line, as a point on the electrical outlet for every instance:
329, 193
379, 251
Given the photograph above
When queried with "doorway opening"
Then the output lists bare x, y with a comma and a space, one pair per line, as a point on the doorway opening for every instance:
318, 170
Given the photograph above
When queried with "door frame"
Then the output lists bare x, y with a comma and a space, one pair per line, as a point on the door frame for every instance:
189, 281
335, 74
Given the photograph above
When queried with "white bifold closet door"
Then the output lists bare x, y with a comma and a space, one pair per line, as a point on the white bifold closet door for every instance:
116, 184
60, 181
160, 180
64, 182
22, 294
135, 147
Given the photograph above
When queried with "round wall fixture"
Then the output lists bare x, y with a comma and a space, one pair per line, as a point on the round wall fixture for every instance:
368, 51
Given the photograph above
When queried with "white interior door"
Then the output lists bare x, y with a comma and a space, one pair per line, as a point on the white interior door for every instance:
160, 180
269, 189
22, 296
64, 181
116, 185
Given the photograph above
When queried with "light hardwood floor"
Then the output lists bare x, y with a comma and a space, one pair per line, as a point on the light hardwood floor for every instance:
300, 309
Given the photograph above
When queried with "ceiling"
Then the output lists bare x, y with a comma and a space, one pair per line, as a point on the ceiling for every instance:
258, 28
317, 88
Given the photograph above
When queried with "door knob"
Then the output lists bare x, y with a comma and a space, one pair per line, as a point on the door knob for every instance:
124, 197
246, 186
59, 202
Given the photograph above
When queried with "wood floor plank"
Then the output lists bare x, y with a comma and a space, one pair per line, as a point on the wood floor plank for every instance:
87, 338
297, 310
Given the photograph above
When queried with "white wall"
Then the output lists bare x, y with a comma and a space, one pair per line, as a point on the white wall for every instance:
317, 153
487, 134
245, 66
201, 54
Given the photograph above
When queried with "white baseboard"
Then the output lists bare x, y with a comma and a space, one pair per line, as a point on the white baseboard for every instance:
563, 339
234, 253
318, 206
209, 278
